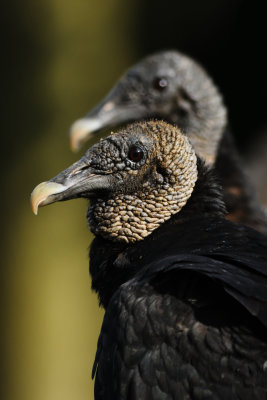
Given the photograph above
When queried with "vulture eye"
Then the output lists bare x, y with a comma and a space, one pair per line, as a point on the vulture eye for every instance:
135, 153
160, 84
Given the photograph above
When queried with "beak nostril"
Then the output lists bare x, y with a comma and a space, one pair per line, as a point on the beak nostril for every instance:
78, 171
84, 168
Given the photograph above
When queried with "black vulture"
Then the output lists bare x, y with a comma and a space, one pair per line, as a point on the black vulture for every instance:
185, 290
171, 86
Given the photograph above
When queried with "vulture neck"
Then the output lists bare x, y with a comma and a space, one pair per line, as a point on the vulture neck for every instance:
205, 119
113, 263
197, 108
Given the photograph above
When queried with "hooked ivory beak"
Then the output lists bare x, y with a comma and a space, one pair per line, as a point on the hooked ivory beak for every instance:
42, 194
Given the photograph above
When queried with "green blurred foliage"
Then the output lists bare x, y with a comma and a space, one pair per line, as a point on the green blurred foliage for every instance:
62, 58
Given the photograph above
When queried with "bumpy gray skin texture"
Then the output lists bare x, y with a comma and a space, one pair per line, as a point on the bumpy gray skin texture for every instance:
153, 189
129, 198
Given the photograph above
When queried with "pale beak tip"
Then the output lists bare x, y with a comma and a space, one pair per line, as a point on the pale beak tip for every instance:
34, 205
81, 131
41, 194
35, 210
36, 199
74, 144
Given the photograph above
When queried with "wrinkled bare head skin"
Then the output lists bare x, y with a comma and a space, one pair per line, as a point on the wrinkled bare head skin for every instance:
136, 179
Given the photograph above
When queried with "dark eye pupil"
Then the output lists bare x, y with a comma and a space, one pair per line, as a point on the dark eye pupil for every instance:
136, 153
160, 84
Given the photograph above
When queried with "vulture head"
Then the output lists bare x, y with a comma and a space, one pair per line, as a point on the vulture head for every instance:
169, 86
135, 179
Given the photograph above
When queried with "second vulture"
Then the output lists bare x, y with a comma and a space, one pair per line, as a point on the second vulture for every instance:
171, 86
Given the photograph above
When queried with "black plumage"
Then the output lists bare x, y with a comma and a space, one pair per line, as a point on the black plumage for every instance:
186, 306
171, 86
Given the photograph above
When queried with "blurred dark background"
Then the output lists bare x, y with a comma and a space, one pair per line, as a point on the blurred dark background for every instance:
58, 60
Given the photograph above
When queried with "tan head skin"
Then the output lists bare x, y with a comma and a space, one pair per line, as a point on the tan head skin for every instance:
131, 217
129, 199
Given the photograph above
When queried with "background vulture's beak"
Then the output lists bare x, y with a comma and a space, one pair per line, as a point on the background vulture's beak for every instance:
82, 129
111, 112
